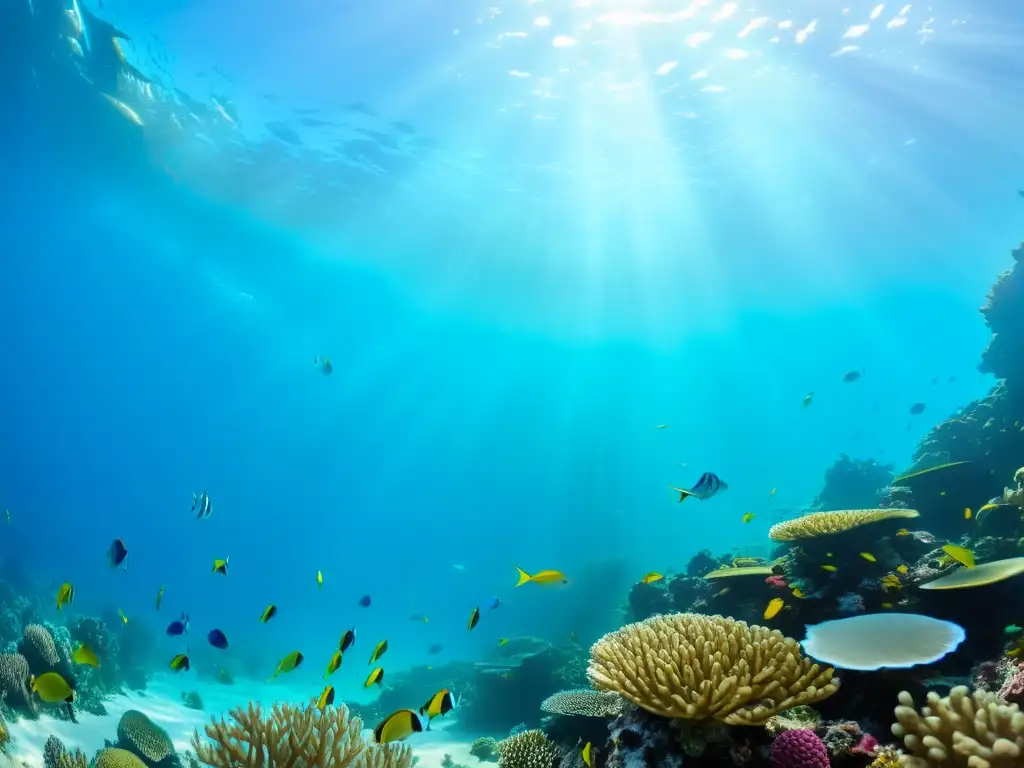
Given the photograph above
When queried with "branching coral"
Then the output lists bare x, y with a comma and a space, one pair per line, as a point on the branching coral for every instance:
529, 749
56, 755
963, 729
583, 702
707, 667
294, 737
138, 734
827, 523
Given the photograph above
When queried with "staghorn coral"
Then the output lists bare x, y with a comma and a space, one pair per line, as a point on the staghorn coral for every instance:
529, 749
963, 729
707, 667
800, 748
39, 649
827, 523
14, 674
56, 755
294, 737
583, 702
113, 757
140, 735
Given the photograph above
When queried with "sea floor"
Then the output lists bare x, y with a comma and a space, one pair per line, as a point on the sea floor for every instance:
162, 702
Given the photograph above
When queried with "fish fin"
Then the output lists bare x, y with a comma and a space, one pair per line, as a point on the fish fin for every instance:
523, 576
683, 493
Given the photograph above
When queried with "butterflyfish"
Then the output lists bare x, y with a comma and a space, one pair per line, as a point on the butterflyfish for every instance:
399, 726
774, 606
376, 677
289, 663
268, 613
651, 577
326, 698
53, 689
221, 566
333, 664
85, 655
348, 638
747, 517
65, 595
180, 663
502, 641
474, 618
588, 755
438, 705
380, 650
541, 577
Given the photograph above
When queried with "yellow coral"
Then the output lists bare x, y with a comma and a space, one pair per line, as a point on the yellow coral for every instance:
135, 731
700, 667
294, 737
112, 757
529, 749
827, 523
976, 730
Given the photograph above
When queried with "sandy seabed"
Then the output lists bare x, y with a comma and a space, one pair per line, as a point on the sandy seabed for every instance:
162, 702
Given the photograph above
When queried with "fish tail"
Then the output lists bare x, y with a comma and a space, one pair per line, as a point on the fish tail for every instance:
523, 576
683, 494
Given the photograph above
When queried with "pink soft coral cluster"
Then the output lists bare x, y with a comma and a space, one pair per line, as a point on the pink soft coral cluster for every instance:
1012, 691
800, 748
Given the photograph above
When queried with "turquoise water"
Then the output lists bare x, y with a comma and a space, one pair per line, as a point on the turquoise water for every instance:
525, 236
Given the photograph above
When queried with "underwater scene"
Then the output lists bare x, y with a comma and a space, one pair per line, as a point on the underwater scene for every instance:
536, 383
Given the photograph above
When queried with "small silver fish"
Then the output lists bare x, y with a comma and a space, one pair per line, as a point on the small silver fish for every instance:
202, 506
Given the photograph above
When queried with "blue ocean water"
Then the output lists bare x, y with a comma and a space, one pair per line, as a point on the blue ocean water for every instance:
525, 235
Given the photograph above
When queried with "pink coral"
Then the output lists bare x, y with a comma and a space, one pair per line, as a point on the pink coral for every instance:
776, 581
1012, 691
866, 745
800, 748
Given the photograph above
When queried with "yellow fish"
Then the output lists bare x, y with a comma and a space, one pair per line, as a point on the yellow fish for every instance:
380, 650
474, 618
774, 606
967, 513
829, 568
987, 507
333, 664
962, 555
502, 641
221, 566
65, 595
887, 605
902, 532
180, 663
798, 593
288, 663
320, 579
869, 557
124, 619
773, 491
651, 577
268, 613
902, 569
85, 655
747, 517
438, 705
399, 726
326, 698
891, 581
52, 688
376, 677
588, 755
541, 577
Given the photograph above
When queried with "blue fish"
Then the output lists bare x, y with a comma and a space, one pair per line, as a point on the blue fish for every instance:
118, 554
708, 485
493, 603
217, 639
365, 601
435, 649
179, 627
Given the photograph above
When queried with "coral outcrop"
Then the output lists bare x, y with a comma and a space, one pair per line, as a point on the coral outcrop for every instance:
529, 749
138, 734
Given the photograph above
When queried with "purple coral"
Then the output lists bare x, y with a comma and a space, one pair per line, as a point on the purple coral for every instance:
800, 748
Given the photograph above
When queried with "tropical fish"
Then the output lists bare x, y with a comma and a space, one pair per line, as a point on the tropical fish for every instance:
124, 619
435, 649
962, 555
967, 513
869, 557
419, 617
799, 593
891, 582
773, 491
438, 705
202, 506
268, 613
902, 569
987, 507
1013, 629
118, 554
320, 579
65, 595
541, 577
808, 399
706, 486
747, 517
887, 605
52, 688
85, 655
221, 566
502, 641
289, 663
8, 516
774, 606
651, 577
829, 568
661, 426
333, 664
326, 368
179, 627
380, 650
851, 376
160, 597
588, 755
376, 677
902, 532
348, 639
326, 698
917, 408
180, 663
217, 639
493, 603
399, 726
474, 618
365, 601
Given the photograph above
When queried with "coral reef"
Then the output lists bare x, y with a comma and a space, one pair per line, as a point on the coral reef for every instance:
584, 702
56, 755
112, 757
529, 749
853, 484
799, 748
485, 749
137, 734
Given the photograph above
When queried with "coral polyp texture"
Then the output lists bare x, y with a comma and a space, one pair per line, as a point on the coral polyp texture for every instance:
828, 523
138, 734
799, 748
529, 749
977, 730
698, 667
583, 702
294, 737
112, 757
38, 642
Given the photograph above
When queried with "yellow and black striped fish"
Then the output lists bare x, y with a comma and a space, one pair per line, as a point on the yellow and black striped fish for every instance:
474, 618
441, 703
376, 677
398, 726
333, 664
268, 613
326, 698
379, 651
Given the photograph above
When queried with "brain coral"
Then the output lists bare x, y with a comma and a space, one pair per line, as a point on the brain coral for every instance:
112, 757
40, 649
137, 733
529, 749
827, 523
585, 702
963, 729
14, 676
800, 748
698, 667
